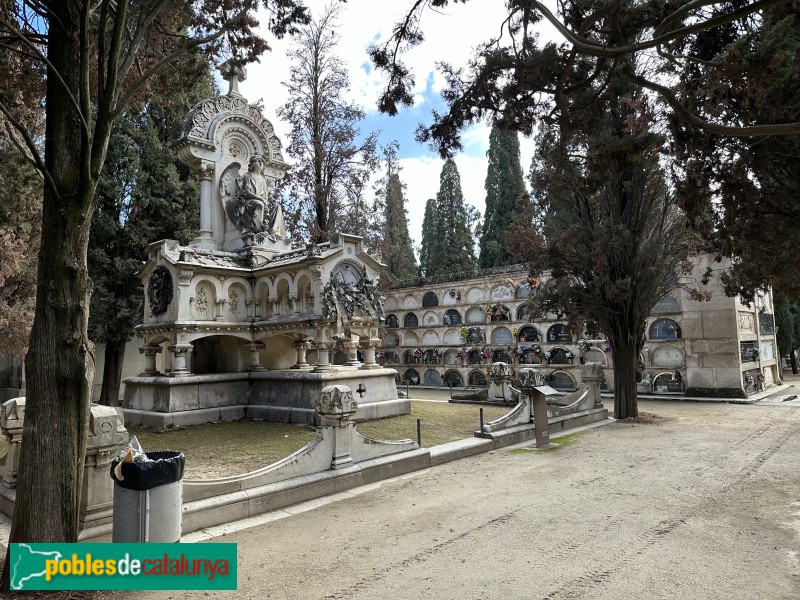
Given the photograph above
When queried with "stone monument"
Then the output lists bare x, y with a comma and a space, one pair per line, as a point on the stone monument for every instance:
251, 326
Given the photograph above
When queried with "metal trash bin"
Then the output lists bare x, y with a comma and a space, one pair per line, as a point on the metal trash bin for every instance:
148, 502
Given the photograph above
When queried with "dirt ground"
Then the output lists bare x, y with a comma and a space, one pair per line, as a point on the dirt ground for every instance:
694, 501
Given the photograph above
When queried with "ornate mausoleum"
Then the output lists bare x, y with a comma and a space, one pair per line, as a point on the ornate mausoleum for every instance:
238, 323
448, 330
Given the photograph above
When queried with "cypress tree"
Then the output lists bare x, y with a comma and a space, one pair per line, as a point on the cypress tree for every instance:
428, 249
504, 185
397, 252
452, 250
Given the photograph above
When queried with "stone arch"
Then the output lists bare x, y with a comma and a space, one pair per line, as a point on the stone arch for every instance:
475, 315
283, 306
392, 322
203, 300
408, 357
501, 355
523, 291
451, 317
522, 314
665, 382
409, 301
274, 284
410, 321
563, 381
560, 356
390, 304
432, 377
451, 297
667, 357
430, 319
530, 356
595, 355
664, 329
218, 354
390, 340
410, 339
390, 357
430, 338
429, 300
477, 378
474, 357
453, 378
502, 335
499, 312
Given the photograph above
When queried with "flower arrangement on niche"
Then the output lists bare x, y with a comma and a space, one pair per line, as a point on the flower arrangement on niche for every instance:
464, 331
748, 379
486, 353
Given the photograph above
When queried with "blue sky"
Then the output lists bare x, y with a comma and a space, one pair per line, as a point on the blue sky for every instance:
450, 37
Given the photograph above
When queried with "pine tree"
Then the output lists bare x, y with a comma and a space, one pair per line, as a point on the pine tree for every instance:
452, 250
429, 239
504, 185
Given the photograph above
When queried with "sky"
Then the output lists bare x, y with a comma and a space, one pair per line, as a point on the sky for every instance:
451, 35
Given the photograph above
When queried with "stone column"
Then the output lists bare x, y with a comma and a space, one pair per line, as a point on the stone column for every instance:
369, 353
334, 409
12, 421
273, 307
106, 432
206, 172
301, 348
219, 309
150, 352
351, 348
250, 314
295, 305
324, 356
179, 352
257, 310
254, 348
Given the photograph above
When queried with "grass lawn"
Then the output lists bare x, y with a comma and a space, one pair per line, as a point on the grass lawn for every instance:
230, 448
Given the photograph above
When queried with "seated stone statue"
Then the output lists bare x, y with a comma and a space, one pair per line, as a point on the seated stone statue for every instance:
247, 201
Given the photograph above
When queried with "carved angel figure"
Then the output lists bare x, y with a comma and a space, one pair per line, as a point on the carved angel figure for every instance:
247, 202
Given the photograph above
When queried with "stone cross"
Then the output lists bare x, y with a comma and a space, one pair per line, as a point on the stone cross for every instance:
233, 72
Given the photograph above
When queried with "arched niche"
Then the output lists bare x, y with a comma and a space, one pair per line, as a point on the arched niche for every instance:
451, 317
560, 356
392, 322
502, 335
390, 340
390, 357
523, 291
502, 356
430, 299
218, 354
410, 339
501, 292
475, 316
452, 337
477, 378
409, 302
476, 295
451, 357
499, 312
529, 334
235, 307
595, 355
390, 304
559, 333
203, 301
453, 378
410, 321
668, 304
474, 357
667, 383
529, 356
305, 296
451, 297
430, 338
408, 357
432, 377
665, 329
668, 357
430, 319
522, 314
411, 376
562, 381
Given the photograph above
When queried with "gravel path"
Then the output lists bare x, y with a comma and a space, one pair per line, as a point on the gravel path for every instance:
696, 501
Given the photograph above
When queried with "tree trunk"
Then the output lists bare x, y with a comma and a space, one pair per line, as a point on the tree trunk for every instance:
60, 360
793, 358
625, 397
112, 373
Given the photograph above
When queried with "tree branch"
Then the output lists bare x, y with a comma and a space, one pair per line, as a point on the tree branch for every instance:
31, 146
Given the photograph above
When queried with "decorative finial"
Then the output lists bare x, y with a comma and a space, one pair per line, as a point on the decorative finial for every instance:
233, 72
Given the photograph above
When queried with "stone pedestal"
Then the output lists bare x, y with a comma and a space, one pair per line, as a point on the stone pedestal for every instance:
369, 354
334, 409
323, 356
12, 421
351, 348
301, 348
592, 378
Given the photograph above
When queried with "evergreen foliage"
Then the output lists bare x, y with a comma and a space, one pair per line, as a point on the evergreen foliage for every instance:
429, 247
398, 254
451, 249
504, 186
785, 312
144, 195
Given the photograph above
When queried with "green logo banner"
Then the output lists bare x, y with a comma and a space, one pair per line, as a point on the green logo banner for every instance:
96, 566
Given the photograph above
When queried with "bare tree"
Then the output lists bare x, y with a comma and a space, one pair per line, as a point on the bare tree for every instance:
332, 166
